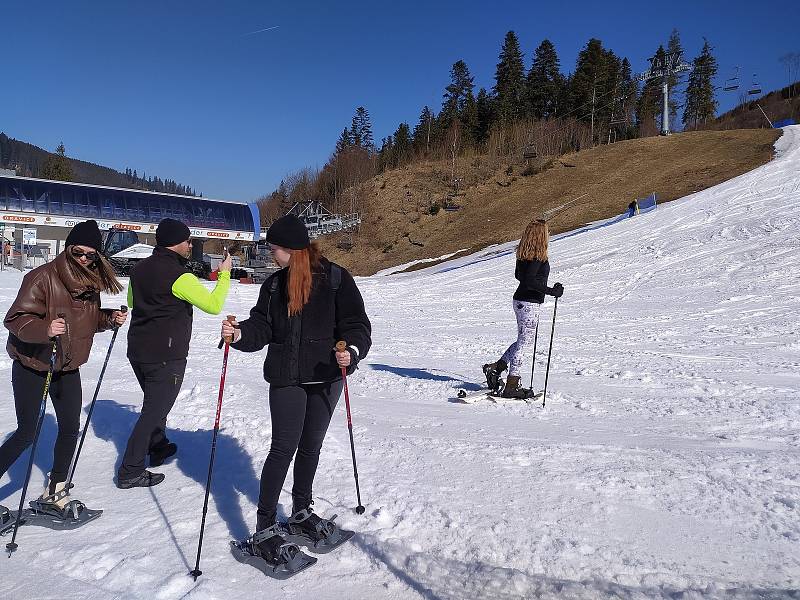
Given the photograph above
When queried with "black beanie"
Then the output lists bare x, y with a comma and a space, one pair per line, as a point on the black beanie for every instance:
87, 234
171, 232
288, 232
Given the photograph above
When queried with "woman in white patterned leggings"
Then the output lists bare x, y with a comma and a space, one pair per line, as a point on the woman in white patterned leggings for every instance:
532, 271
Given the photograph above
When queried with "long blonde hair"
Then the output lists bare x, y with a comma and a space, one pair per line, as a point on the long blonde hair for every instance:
98, 275
302, 265
533, 245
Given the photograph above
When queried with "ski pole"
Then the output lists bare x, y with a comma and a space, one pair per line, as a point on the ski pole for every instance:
197, 572
549, 352
341, 346
12, 545
535, 339
56, 497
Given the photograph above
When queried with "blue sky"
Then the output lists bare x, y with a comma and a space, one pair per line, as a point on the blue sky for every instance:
180, 90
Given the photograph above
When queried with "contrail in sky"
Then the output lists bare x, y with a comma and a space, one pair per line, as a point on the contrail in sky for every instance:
261, 30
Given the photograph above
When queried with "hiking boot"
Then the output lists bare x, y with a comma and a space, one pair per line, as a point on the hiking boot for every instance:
513, 389
159, 455
493, 371
145, 479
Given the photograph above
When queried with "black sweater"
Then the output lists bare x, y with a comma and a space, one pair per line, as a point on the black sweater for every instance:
532, 276
301, 347
161, 324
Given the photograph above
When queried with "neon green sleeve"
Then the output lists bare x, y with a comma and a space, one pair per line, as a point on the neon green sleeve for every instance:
130, 296
188, 287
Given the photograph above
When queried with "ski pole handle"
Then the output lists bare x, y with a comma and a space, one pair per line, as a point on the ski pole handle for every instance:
231, 319
223, 341
341, 346
123, 309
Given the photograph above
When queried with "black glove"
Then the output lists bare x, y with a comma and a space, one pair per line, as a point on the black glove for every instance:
557, 290
353, 361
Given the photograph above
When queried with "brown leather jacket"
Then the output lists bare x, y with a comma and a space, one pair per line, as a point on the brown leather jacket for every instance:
46, 292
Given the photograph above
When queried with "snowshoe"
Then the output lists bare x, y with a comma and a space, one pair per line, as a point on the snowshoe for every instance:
72, 515
269, 552
319, 535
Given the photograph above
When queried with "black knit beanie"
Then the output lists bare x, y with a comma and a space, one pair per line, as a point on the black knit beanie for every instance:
86, 234
171, 232
288, 232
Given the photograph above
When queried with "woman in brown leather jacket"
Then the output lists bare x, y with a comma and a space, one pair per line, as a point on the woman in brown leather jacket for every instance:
70, 285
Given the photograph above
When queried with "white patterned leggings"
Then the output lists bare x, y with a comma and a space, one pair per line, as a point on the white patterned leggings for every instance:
527, 314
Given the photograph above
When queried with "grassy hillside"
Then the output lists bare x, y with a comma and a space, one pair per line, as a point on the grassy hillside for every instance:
497, 201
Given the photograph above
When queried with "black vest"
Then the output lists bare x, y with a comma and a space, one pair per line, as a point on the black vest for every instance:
161, 324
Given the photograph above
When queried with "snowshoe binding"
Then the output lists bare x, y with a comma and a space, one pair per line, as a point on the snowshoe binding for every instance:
319, 535
270, 552
55, 510
5, 515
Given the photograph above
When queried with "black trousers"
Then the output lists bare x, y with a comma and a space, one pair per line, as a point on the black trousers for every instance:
65, 391
160, 383
300, 418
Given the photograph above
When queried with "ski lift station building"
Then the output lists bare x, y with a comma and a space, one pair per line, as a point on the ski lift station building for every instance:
52, 208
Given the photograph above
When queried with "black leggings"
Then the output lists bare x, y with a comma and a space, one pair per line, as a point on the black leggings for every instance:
65, 391
300, 417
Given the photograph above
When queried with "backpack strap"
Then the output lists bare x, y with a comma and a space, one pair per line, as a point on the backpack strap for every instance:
336, 277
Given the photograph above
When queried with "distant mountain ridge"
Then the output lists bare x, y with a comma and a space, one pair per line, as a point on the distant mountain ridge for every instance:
27, 160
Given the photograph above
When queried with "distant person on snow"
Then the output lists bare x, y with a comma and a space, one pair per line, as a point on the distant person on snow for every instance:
162, 293
302, 311
532, 271
633, 208
69, 285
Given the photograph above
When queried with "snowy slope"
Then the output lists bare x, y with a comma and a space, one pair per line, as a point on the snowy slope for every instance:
664, 465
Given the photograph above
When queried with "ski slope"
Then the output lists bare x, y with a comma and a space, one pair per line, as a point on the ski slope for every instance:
665, 464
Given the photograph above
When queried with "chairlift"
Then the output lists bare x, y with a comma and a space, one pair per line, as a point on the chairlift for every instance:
755, 89
732, 83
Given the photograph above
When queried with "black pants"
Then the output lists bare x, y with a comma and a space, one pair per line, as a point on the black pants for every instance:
300, 417
65, 391
160, 383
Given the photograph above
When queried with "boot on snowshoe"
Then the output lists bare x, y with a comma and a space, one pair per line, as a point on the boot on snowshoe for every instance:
513, 389
55, 507
5, 515
493, 371
270, 552
317, 534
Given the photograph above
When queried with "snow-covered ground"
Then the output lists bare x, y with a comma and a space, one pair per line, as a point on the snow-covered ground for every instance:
665, 464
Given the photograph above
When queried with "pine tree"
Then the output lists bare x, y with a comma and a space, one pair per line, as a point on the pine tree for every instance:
593, 84
469, 117
455, 95
361, 130
423, 131
57, 166
484, 108
544, 82
509, 88
650, 100
402, 148
344, 142
675, 52
701, 102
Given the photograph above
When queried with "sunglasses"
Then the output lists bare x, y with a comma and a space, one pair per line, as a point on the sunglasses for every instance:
91, 256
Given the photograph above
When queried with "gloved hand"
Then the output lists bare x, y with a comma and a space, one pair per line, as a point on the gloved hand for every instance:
557, 290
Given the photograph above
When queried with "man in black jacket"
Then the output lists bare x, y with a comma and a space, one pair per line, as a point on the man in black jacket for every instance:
162, 292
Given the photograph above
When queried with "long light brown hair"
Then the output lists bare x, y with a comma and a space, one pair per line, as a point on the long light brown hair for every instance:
302, 265
98, 275
533, 245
